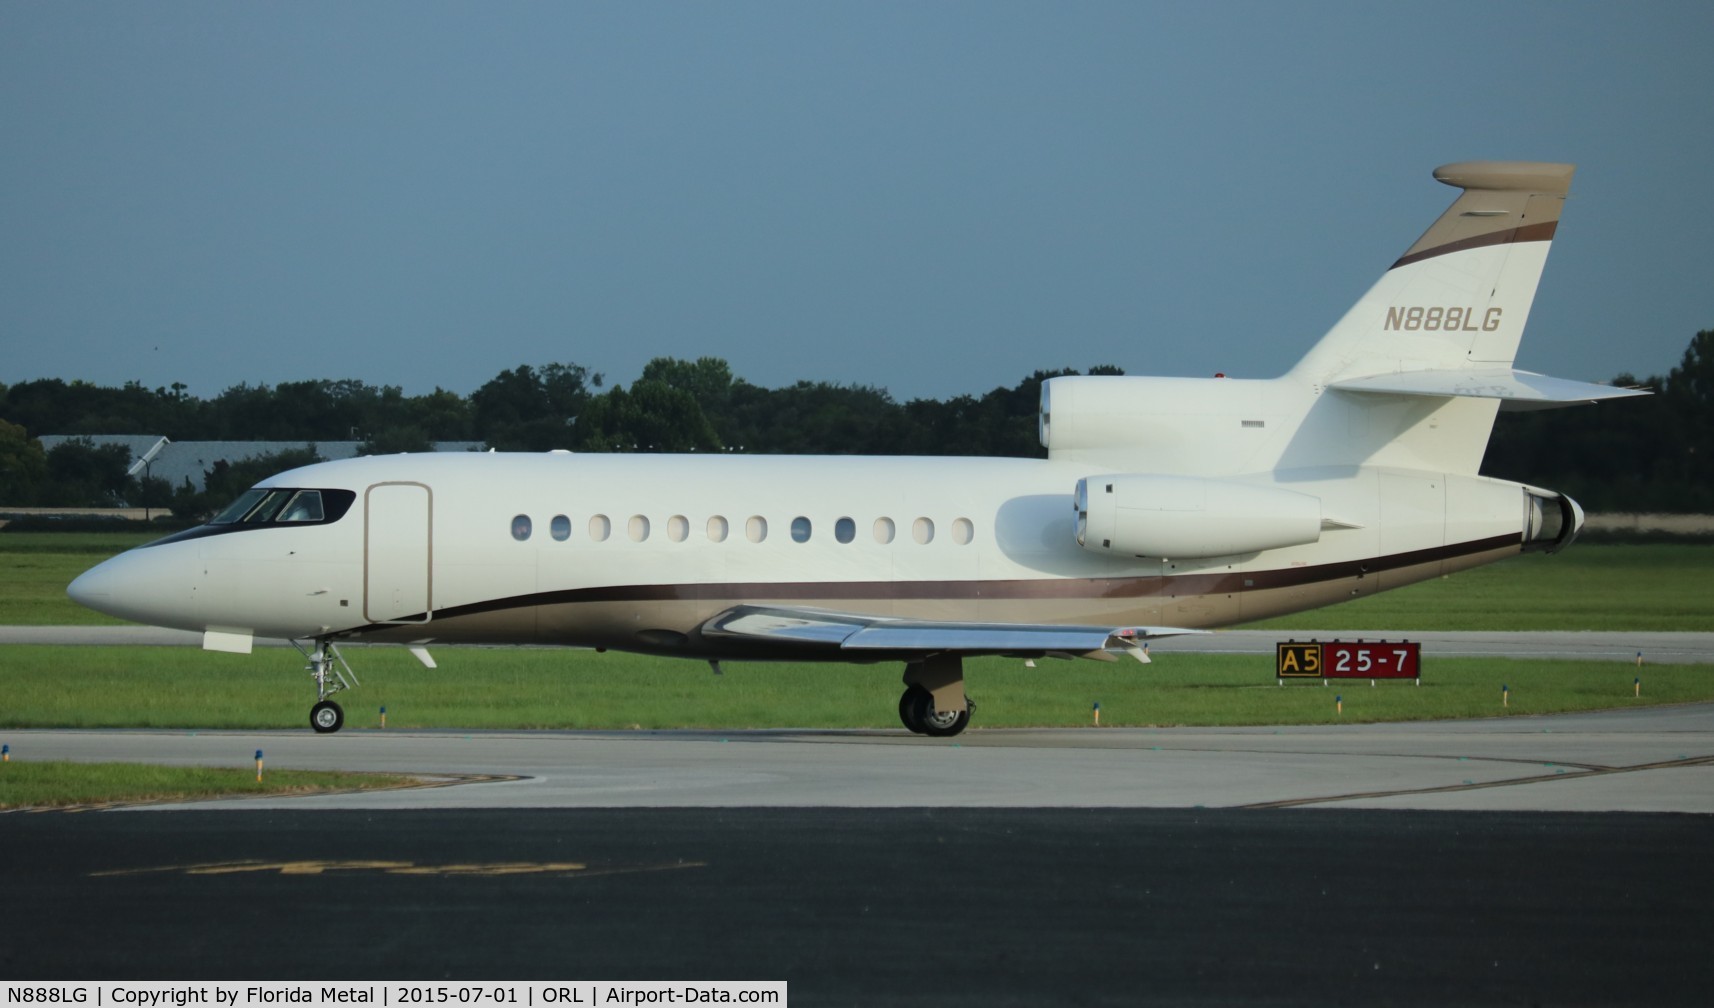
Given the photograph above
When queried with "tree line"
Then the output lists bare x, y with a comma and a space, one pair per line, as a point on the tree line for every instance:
674, 406
1639, 455
1646, 454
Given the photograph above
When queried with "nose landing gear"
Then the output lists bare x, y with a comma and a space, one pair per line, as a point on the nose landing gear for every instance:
325, 664
326, 716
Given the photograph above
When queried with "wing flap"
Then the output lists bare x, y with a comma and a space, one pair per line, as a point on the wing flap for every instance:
791, 626
910, 635
858, 633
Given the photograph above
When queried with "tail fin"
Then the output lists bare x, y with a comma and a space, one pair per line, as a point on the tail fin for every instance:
1458, 299
1410, 378
1428, 350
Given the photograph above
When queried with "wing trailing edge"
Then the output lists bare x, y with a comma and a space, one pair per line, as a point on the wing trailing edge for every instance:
856, 633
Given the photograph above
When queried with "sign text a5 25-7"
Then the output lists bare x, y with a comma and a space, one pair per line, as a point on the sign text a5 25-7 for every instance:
1348, 660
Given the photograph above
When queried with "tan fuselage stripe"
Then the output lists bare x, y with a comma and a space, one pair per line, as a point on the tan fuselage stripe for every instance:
1063, 589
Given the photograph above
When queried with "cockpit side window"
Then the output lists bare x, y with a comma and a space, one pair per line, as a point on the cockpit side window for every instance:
305, 506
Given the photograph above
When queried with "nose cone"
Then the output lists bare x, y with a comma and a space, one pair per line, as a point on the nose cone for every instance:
149, 585
94, 587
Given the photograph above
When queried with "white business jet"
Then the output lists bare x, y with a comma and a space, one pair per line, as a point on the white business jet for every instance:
1165, 506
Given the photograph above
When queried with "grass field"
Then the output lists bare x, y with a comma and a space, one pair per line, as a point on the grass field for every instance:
25, 784
35, 567
1590, 587
479, 688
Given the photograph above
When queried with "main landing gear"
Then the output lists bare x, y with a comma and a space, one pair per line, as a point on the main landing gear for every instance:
325, 663
934, 703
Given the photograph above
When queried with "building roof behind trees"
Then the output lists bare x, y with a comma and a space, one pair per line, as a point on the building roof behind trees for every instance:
178, 461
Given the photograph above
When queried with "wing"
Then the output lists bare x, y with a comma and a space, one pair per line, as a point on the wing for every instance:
870, 636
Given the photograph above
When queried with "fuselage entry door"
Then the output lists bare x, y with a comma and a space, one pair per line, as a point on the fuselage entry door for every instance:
398, 553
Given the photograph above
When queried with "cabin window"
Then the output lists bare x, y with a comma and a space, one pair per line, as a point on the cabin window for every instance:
756, 529
600, 527
638, 529
884, 531
922, 530
560, 528
521, 527
800, 529
963, 531
717, 529
844, 530
678, 528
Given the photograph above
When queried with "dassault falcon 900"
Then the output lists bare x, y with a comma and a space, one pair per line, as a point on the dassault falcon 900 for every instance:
1164, 506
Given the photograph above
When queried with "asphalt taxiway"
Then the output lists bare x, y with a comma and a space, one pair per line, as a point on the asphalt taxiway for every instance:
1648, 759
976, 906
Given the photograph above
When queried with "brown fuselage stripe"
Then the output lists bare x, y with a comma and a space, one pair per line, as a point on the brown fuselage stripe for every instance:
1525, 233
1168, 585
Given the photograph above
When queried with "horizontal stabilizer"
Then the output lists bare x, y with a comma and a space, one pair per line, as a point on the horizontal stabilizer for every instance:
1516, 390
852, 632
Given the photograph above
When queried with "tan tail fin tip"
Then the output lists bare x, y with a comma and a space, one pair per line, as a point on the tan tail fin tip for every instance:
1502, 202
1508, 176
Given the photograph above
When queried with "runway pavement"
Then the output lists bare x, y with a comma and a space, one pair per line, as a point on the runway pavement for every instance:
1648, 759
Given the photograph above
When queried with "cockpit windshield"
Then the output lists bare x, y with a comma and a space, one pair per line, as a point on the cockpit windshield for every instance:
272, 507
236, 511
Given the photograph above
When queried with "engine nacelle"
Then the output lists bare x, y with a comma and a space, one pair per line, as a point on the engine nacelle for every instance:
1136, 514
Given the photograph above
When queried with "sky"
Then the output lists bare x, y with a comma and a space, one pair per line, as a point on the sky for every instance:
932, 198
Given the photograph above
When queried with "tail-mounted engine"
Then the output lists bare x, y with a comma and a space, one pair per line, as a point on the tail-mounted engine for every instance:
1551, 521
1135, 514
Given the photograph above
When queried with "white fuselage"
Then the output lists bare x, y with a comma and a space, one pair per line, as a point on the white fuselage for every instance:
638, 552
